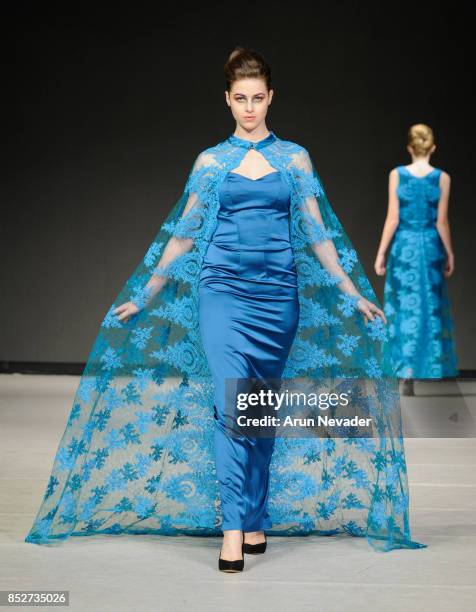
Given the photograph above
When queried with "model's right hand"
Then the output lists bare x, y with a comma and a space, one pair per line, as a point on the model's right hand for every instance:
125, 311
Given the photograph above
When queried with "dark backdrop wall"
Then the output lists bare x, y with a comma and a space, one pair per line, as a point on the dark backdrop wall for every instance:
109, 110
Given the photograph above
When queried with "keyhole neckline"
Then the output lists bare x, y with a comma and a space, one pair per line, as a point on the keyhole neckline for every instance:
250, 144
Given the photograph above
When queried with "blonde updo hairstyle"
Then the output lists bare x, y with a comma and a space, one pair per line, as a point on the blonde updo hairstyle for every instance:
420, 139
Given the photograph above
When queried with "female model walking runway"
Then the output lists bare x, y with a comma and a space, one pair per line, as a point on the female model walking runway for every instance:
416, 300
250, 276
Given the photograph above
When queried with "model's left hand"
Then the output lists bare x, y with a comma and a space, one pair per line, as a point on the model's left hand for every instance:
369, 310
379, 265
450, 264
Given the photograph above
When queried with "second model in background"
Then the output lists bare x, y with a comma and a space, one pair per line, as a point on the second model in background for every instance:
421, 330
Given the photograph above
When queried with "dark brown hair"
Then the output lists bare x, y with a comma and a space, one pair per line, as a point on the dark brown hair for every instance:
245, 63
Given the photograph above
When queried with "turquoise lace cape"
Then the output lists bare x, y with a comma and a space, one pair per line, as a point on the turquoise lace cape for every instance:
136, 456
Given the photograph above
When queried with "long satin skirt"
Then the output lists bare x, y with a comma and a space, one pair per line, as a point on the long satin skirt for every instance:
248, 313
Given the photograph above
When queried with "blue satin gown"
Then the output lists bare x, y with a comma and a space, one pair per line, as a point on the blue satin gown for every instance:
248, 315
416, 302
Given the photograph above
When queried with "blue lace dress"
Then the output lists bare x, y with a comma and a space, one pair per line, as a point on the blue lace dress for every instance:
416, 303
248, 313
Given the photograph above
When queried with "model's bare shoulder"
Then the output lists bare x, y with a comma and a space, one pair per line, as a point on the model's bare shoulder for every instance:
393, 177
445, 178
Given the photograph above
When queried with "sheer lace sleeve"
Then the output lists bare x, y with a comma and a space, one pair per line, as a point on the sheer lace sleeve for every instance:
184, 231
315, 230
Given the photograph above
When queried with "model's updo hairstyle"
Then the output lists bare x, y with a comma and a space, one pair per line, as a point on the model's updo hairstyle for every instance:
244, 63
420, 138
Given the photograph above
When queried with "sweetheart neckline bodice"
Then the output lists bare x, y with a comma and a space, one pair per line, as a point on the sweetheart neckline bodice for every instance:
252, 179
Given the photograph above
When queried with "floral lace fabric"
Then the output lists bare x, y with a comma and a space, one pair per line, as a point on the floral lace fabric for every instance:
137, 454
416, 300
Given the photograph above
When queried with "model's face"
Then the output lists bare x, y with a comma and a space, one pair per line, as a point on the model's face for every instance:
248, 100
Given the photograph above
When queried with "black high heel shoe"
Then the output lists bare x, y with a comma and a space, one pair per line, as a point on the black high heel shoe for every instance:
254, 549
232, 566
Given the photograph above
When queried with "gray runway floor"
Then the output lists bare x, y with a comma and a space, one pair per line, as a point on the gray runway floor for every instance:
313, 573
